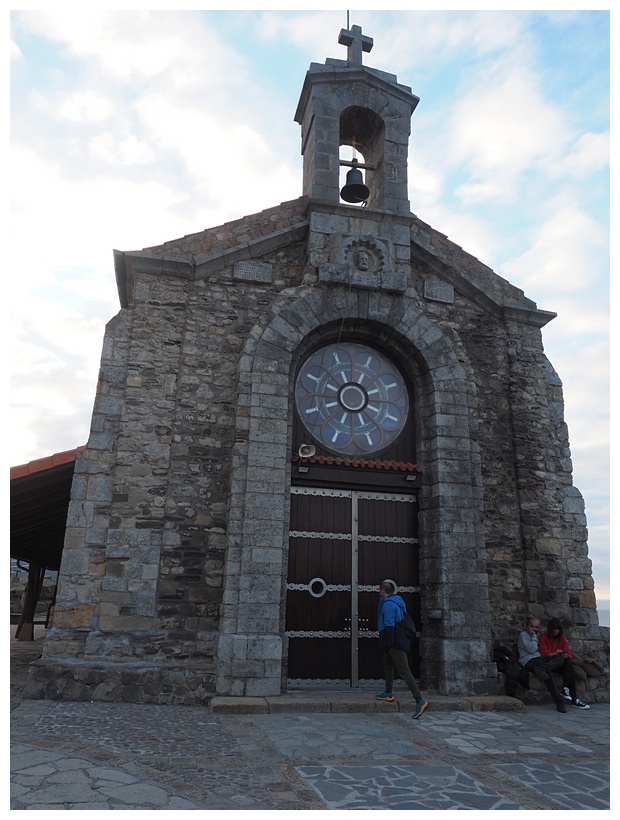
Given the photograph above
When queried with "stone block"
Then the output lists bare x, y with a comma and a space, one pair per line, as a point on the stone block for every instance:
587, 600
76, 617
263, 687
294, 704
118, 598
80, 514
101, 441
554, 580
575, 506
75, 562
109, 609
109, 691
114, 583
265, 647
223, 705
259, 618
490, 703
124, 623
246, 669
97, 569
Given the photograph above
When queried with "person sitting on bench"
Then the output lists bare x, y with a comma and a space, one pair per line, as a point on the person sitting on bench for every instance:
554, 649
531, 659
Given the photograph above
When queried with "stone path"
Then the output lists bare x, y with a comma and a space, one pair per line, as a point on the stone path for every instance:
100, 756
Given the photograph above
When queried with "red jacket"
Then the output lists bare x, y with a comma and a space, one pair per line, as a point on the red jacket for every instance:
547, 645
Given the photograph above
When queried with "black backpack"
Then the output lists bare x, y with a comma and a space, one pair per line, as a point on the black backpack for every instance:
409, 626
515, 674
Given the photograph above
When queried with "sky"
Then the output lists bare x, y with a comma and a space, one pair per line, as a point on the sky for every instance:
132, 128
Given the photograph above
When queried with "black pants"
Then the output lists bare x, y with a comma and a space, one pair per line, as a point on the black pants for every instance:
395, 660
540, 665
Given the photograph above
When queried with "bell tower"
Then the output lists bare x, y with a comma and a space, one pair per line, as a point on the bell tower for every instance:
357, 118
344, 103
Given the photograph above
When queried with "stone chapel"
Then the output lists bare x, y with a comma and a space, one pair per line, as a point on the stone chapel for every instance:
293, 407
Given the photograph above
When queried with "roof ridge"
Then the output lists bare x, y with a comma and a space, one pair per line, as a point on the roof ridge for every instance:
38, 465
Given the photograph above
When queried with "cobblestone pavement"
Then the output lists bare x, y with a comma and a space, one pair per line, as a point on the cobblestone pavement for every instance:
103, 756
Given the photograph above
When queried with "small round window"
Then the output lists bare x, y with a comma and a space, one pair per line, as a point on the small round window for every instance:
351, 398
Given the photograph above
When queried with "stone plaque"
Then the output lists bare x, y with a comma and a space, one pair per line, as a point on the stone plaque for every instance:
437, 291
251, 271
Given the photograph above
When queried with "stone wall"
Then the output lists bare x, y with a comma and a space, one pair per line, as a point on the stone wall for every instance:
535, 524
174, 567
142, 573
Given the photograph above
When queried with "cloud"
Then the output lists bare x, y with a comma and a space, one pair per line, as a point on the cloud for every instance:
316, 32
589, 153
133, 128
566, 252
114, 150
112, 44
82, 218
85, 106
56, 352
495, 135
216, 149
115, 153
411, 41
465, 228
162, 165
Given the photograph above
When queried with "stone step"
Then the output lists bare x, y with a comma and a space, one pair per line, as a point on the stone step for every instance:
300, 702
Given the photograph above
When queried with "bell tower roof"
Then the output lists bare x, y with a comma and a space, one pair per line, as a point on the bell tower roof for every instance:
344, 102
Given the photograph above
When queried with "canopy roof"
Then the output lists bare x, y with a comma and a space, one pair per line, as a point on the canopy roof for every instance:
40, 492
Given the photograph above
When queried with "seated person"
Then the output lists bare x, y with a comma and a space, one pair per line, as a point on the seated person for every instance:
553, 644
530, 657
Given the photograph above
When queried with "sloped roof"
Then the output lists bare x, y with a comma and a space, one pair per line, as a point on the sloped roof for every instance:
206, 252
40, 492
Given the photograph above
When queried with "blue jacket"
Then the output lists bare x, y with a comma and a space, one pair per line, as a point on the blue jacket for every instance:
390, 614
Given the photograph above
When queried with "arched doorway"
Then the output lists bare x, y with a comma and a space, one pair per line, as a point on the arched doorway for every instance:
252, 651
353, 519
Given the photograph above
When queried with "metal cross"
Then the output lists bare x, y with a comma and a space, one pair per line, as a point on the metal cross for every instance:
356, 42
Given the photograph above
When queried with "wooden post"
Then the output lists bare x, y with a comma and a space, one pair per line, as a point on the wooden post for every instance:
25, 627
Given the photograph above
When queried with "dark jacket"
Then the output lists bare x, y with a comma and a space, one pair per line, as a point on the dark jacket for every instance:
390, 614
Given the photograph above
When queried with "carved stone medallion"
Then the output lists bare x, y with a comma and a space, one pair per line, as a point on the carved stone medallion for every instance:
362, 262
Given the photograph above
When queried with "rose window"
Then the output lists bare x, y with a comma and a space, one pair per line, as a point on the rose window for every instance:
351, 399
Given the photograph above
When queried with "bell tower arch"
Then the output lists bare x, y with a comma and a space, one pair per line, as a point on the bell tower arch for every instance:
344, 102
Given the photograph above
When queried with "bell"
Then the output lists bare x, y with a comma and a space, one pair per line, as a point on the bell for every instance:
354, 189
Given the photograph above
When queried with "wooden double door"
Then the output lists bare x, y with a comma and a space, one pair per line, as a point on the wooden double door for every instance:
342, 545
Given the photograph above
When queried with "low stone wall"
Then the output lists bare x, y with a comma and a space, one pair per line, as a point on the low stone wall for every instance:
591, 690
129, 683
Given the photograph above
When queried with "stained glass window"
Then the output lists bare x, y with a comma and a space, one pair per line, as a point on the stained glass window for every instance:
351, 398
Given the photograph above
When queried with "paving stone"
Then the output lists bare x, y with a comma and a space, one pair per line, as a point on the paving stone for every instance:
402, 787
82, 756
575, 785
137, 793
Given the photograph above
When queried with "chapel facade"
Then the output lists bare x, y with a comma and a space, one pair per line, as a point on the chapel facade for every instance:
293, 407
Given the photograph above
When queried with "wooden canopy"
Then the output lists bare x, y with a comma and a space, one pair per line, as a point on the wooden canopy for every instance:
40, 492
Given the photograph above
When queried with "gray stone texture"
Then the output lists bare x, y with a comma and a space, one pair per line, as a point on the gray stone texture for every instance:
179, 553
330, 94
176, 546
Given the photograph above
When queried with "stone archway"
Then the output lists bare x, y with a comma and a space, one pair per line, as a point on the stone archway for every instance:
452, 567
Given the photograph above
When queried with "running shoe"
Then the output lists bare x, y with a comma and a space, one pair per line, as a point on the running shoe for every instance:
388, 696
579, 704
419, 708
